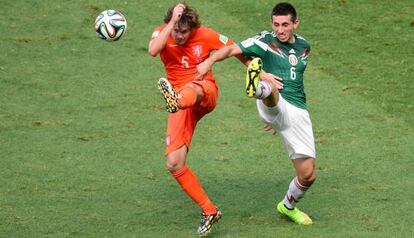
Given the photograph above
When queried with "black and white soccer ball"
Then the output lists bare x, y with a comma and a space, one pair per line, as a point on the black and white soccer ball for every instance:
110, 25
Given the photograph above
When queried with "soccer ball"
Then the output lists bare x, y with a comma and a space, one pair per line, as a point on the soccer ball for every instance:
110, 25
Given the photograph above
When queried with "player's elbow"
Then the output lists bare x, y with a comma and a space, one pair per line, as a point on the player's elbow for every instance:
233, 50
152, 52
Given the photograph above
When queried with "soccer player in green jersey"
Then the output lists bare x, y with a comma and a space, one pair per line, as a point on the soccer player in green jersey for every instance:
282, 106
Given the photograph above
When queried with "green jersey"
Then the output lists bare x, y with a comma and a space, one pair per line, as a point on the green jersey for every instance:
285, 60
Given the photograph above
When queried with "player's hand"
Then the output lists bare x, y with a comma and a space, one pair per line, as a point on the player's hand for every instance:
177, 12
267, 127
275, 81
202, 69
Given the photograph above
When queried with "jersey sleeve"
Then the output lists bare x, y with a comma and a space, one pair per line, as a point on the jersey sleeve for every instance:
217, 40
254, 46
156, 31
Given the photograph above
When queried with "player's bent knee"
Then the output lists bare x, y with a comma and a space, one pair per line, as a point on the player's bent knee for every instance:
307, 179
307, 176
173, 166
198, 88
311, 179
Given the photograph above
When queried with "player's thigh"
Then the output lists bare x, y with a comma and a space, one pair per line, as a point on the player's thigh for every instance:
180, 130
277, 117
298, 135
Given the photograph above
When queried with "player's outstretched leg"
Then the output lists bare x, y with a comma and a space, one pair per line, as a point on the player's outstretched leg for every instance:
252, 77
169, 95
295, 214
207, 222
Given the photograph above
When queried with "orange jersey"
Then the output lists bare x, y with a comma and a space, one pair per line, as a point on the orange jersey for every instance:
180, 61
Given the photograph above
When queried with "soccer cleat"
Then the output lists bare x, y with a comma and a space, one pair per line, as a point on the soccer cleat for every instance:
295, 215
207, 222
169, 95
252, 77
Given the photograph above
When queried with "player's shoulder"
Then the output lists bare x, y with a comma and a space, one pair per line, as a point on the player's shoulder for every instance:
302, 41
209, 35
204, 33
264, 36
160, 27
157, 30
205, 30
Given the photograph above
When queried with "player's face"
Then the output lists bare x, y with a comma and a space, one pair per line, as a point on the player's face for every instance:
283, 27
180, 34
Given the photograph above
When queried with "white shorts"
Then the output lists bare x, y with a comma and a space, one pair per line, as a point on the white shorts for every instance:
294, 126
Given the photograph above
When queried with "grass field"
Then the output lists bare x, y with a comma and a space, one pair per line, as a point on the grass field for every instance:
82, 125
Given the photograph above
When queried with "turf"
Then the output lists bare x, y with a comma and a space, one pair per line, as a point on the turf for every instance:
82, 125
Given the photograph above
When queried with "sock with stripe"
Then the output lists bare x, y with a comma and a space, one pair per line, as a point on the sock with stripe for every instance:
295, 192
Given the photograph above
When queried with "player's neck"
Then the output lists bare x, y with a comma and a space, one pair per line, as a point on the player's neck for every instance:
292, 40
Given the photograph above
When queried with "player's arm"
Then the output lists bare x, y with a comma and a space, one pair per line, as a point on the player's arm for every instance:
159, 38
223, 53
243, 59
157, 43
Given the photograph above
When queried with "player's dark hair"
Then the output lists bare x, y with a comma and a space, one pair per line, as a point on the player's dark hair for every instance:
284, 9
188, 18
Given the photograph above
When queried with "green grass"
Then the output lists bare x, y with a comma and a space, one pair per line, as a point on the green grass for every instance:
82, 125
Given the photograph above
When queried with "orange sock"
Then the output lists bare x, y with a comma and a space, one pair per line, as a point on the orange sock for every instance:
190, 184
188, 97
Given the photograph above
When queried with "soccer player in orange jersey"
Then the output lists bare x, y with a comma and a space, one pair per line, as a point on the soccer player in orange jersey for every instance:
182, 43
